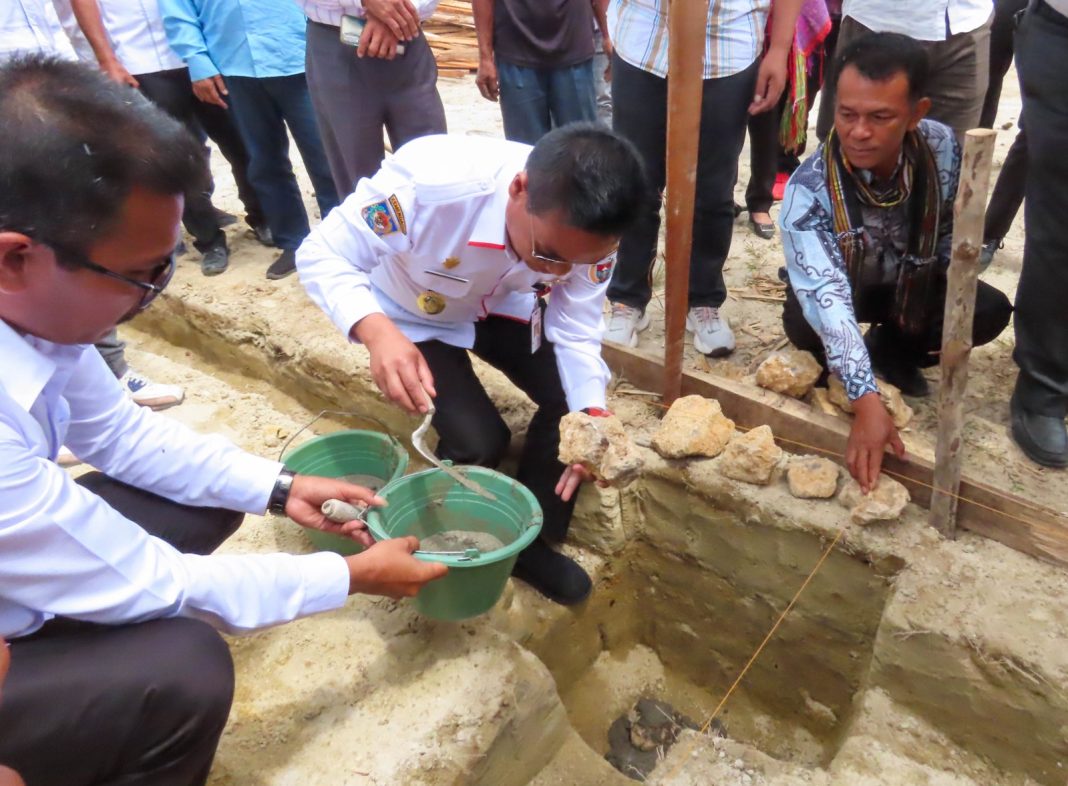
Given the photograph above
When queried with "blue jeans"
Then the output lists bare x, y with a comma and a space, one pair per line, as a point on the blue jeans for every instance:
262, 108
536, 100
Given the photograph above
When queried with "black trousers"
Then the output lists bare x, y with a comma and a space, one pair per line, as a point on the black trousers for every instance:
1009, 189
471, 429
173, 92
1041, 318
129, 705
640, 114
886, 341
1002, 35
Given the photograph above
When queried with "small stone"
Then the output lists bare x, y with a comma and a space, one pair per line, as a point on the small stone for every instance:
792, 372
820, 400
884, 503
812, 477
602, 445
752, 457
836, 392
694, 426
900, 412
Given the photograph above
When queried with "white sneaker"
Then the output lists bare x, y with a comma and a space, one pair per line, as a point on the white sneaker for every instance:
711, 333
150, 394
624, 324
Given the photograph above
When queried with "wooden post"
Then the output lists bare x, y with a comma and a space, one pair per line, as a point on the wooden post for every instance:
963, 277
687, 25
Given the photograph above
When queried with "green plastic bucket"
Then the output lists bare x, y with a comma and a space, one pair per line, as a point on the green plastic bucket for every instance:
352, 452
429, 502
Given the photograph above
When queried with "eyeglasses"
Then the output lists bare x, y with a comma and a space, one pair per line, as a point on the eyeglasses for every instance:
552, 260
159, 278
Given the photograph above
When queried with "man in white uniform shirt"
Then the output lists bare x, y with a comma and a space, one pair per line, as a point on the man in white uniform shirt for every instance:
108, 590
452, 246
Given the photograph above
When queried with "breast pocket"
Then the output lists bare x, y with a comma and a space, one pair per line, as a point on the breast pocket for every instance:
438, 290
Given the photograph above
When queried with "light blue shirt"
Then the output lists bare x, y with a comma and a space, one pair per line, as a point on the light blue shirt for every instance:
258, 38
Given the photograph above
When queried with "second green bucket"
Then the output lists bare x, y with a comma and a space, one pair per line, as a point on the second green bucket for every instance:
378, 458
430, 502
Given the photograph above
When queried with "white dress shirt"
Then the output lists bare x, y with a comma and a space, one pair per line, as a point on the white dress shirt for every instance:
66, 552
329, 12
441, 259
135, 28
924, 20
28, 26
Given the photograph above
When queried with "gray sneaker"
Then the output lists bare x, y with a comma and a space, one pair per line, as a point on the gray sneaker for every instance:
624, 323
216, 260
711, 333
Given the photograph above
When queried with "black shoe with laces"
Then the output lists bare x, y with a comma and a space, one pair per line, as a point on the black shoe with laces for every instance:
283, 266
216, 259
554, 575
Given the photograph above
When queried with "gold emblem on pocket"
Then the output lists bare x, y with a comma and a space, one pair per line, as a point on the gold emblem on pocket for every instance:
450, 263
430, 302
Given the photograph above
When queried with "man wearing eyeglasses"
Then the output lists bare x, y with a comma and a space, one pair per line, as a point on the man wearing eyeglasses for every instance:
109, 593
466, 243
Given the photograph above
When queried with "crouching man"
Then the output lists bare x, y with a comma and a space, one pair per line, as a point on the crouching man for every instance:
867, 226
466, 243
109, 594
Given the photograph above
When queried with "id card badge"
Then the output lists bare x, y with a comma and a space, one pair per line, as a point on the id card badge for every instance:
535, 327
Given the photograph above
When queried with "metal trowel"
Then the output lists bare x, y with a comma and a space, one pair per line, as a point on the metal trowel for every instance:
419, 443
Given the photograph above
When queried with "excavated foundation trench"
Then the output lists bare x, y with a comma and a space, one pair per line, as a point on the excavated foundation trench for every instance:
692, 570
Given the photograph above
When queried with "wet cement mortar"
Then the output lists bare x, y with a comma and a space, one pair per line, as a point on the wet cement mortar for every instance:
908, 660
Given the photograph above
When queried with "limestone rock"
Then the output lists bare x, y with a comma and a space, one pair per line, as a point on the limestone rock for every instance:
792, 372
884, 503
895, 404
812, 477
819, 399
752, 457
694, 426
602, 445
837, 394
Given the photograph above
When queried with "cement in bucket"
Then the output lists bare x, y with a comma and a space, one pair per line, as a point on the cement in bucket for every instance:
368, 458
430, 502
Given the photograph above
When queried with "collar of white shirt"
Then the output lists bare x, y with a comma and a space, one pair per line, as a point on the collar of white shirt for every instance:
31, 362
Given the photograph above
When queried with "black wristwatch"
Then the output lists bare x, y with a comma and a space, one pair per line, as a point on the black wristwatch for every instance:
280, 493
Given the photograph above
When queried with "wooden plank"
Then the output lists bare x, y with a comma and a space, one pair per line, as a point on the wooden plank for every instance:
963, 278
686, 31
995, 514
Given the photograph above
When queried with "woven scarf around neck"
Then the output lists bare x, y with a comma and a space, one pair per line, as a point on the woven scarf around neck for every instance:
917, 184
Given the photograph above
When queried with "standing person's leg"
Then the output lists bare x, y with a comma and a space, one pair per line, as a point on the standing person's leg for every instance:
640, 115
1002, 33
763, 166
1040, 400
724, 114
291, 95
1006, 198
259, 119
113, 350
136, 705
349, 107
960, 73
524, 102
602, 87
218, 124
413, 106
572, 96
172, 92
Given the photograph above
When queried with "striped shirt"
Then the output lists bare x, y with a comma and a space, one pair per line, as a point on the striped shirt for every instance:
734, 37
329, 12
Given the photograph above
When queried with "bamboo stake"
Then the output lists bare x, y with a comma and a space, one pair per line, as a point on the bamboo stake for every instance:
969, 212
687, 22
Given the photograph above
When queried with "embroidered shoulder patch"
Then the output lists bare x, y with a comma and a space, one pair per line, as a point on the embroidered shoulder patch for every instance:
382, 218
602, 271
398, 213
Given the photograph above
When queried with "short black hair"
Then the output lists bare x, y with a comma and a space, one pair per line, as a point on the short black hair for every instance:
879, 56
591, 174
74, 145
